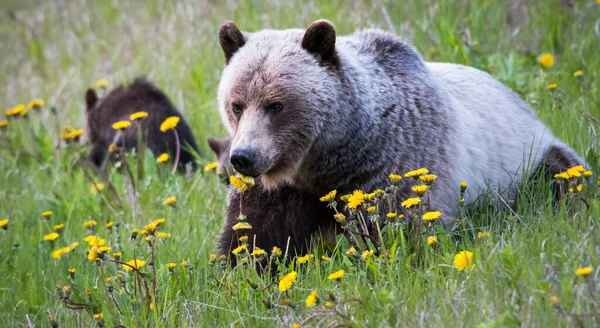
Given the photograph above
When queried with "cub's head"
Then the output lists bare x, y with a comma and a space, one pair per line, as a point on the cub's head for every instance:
275, 94
221, 148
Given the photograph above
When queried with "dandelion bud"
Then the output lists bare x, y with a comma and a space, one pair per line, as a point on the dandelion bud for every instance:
134, 234
340, 218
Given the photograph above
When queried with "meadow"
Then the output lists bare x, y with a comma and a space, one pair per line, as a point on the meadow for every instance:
532, 265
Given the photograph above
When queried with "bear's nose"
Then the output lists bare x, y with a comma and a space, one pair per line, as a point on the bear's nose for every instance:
243, 160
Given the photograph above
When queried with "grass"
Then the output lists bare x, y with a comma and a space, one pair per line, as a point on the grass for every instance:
54, 50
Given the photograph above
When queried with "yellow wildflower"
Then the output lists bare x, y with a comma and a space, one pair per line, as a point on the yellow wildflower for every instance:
416, 173
391, 215
98, 316
90, 224
367, 254
303, 259
463, 260
51, 236
112, 148
36, 103
351, 251
370, 196
4, 224
109, 225
587, 173
170, 201
171, 265
312, 299
576, 171
276, 251
356, 199
59, 227
241, 183
211, 166
185, 262
101, 83
47, 213
243, 239
329, 197
3, 123
432, 216
563, 175
162, 158
583, 272
297, 325
551, 86
483, 234
371, 209
58, 253
461, 201
463, 186
138, 115
257, 252
15, 110
411, 202
117, 255
329, 305
395, 178
554, 299
287, 281
339, 218
241, 226
547, 60
239, 249
420, 190
336, 275
379, 192
578, 74
97, 186
121, 125
213, 257
432, 240
137, 263
169, 124
325, 258
163, 235
428, 178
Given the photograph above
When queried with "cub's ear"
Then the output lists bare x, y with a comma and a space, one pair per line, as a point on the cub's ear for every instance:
90, 99
319, 39
231, 39
215, 145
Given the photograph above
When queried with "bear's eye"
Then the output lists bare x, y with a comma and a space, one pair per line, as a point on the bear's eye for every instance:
237, 109
275, 107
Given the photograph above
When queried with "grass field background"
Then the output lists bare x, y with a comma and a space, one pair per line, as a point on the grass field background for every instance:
55, 50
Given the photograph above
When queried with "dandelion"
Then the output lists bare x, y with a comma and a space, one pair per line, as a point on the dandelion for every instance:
256, 252
297, 325
391, 215
287, 281
243, 239
170, 201
17, 110
101, 83
483, 235
94, 254
90, 224
432, 240
4, 224
312, 299
98, 316
587, 173
351, 251
47, 214
59, 228
329, 305
51, 237
162, 158
169, 124
3, 123
138, 115
241, 183
303, 259
576, 171
211, 166
428, 178
411, 202
432, 216
325, 258
340, 218
584, 272
461, 201
395, 178
134, 234
379, 192
149, 229
137, 263
356, 199
109, 225
416, 173
239, 249
163, 235
554, 299
562, 175
463, 186
121, 125
171, 265
329, 197
336, 275
367, 254
185, 262
276, 251
97, 187
112, 148
117, 255
372, 209
71, 273
420, 190
242, 226
34, 104
551, 86
578, 74
547, 60
463, 260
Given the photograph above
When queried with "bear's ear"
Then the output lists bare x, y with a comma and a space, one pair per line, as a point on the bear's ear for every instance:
319, 39
215, 145
90, 99
231, 39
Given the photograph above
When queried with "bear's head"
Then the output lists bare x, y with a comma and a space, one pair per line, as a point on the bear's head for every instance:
275, 95
221, 149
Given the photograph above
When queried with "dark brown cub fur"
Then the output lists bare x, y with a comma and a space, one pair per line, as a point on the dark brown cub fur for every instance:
118, 105
557, 160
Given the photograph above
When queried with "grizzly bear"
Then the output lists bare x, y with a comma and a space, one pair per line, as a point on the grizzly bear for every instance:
118, 105
309, 110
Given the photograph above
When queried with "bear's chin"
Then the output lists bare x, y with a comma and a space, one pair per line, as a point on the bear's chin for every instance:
274, 179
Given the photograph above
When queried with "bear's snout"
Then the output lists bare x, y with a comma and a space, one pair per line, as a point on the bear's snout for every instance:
243, 161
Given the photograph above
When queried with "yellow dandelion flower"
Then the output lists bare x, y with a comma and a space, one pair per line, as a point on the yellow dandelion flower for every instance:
94, 241
579, 187
420, 190
463, 260
59, 227
138, 115
379, 192
411, 202
336, 275
391, 215
238, 183
554, 299
483, 234
97, 187
356, 199
94, 254
287, 281
90, 224
71, 271
461, 201
339, 218
121, 125
109, 225
551, 86
463, 186
416, 173
370, 196
432, 240
325, 258
211, 166
258, 252
239, 249
163, 235
47, 213
329, 305
329, 197
162, 158
185, 262
432, 216
213, 257
428, 178
3, 123
576, 170
171, 265
51, 236
562, 175
395, 178
243, 239
312, 299
367, 254
587, 173
117, 255
371, 209
303, 259
4, 224
547, 60
578, 74
351, 251
137, 263
58, 253
36, 103
297, 325
583, 272
169, 124
101, 83
98, 316
242, 226
276, 251
401, 216
17, 110
170, 201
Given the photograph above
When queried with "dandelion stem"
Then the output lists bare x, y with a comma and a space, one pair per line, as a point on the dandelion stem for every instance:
140, 153
177, 150
112, 296
153, 271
